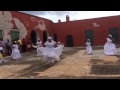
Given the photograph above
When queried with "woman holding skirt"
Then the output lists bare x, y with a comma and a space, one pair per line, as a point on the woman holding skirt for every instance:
15, 51
49, 54
109, 47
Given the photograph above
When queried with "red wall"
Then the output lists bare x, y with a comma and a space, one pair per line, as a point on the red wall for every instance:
77, 29
27, 18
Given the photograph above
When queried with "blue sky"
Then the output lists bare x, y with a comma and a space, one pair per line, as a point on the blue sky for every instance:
78, 15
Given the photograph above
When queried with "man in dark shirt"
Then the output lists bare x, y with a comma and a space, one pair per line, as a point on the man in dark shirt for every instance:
8, 46
24, 45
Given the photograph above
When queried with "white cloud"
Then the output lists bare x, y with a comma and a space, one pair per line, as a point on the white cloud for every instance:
78, 15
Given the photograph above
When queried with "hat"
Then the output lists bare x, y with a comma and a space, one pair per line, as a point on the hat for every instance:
110, 35
49, 38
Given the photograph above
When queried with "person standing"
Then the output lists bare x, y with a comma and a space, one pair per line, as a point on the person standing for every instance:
1, 47
19, 44
29, 45
8, 46
39, 44
24, 45
3, 43
88, 47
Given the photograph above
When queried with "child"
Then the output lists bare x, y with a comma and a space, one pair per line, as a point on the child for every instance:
1, 58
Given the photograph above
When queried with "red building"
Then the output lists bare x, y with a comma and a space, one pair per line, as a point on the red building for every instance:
72, 33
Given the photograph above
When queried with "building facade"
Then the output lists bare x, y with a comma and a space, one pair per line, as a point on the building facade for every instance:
15, 25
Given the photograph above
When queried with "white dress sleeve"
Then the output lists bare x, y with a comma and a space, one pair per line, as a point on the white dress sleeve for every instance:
54, 42
46, 43
109, 40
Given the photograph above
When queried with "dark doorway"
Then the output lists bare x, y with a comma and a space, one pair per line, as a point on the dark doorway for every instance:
55, 37
33, 37
44, 36
115, 34
89, 35
69, 39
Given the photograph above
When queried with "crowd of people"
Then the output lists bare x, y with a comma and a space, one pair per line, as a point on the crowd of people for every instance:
50, 51
14, 48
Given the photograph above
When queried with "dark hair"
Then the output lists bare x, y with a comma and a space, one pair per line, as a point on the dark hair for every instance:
14, 42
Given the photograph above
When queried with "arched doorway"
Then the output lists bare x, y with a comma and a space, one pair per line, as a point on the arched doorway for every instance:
33, 37
44, 36
55, 37
89, 35
69, 40
115, 34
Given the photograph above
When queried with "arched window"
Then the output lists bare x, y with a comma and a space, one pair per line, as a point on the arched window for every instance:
89, 35
33, 37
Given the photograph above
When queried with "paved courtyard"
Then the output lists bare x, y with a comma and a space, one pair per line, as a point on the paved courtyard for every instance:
74, 64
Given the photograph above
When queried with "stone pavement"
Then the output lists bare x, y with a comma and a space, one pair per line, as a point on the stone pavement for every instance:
74, 64
80, 65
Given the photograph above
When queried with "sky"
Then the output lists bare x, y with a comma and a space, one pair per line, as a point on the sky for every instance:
74, 15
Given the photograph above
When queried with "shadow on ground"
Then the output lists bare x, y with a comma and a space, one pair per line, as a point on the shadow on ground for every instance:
35, 66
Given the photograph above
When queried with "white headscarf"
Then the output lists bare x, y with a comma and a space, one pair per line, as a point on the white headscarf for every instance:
110, 35
88, 39
49, 38
15, 41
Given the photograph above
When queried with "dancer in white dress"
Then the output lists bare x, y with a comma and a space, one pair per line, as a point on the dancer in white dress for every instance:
39, 44
49, 54
88, 47
59, 49
15, 51
109, 47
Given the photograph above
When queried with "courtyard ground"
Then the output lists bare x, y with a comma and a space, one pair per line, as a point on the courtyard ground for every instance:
74, 64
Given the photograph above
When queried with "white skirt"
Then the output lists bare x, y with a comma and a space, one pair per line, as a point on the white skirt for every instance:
50, 53
16, 54
39, 51
110, 49
59, 49
1, 48
89, 49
